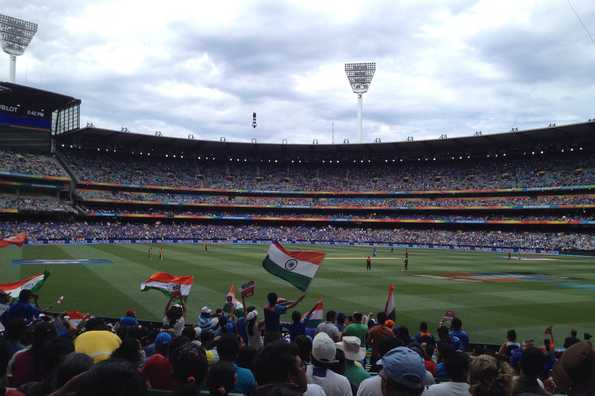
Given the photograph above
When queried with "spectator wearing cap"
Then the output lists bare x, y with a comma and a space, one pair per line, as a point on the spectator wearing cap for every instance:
228, 348
174, 316
129, 320
402, 373
457, 367
319, 372
206, 322
254, 330
97, 341
158, 371
575, 372
354, 354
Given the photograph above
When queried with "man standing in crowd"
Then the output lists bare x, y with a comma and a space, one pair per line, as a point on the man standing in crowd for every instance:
402, 373
354, 354
357, 329
329, 327
320, 371
26, 307
272, 316
228, 348
457, 368
573, 339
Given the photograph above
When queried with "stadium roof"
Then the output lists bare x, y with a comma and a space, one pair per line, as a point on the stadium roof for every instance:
35, 98
547, 139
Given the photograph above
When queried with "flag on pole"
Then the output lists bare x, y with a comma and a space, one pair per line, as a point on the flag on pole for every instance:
389, 307
232, 293
168, 284
18, 240
314, 316
33, 283
296, 267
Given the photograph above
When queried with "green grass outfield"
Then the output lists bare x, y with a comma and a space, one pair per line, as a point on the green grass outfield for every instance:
487, 309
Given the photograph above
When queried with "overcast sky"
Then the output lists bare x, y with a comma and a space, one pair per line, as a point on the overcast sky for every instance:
443, 67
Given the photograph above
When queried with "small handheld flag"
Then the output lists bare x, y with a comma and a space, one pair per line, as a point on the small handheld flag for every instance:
296, 267
168, 284
389, 307
314, 316
247, 289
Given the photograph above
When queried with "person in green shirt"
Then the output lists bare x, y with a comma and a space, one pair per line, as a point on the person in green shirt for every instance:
354, 354
357, 329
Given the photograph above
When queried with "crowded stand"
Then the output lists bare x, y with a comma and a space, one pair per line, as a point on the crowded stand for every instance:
335, 215
105, 230
35, 203
28, 163
553, 171
255, 350
188, 199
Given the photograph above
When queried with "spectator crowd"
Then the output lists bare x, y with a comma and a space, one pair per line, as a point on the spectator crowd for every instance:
248, 350
103, 230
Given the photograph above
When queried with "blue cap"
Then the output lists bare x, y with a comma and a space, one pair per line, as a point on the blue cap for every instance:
403, 366
163, 338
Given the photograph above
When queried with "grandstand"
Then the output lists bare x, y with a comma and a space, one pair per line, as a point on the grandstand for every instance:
528, 193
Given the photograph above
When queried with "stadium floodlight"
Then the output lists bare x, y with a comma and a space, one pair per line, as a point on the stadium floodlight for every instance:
360, 77
16, 35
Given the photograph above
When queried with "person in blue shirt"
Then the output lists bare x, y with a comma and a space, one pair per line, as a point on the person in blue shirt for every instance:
456, 330
297, 327
272, 316
23, 308
129, 319
228, 349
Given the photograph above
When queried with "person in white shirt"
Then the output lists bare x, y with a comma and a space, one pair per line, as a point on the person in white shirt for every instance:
457, 367
324, 350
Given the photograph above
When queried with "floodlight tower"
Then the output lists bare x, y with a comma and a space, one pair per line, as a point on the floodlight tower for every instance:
360, 77
16, 34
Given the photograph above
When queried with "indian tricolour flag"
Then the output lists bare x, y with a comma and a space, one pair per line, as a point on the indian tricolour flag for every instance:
389, 307
168, 284
32, 283
296, 267
18, 240
313, 317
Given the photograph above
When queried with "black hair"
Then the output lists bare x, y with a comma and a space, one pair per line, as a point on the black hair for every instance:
228, 347
296, 316
357, 317
72, 365
114, 378
443, 333
532, 362
402, 333
15, 328
457, 366
189, 362
423, 326
95, 324
573, 332
276, 362
340, 318
246, 357
456, 324
189, 332
511, 335
331, 316
221, 378
272, 298
304, 345
25, 295
381, 317
128, 350
388, 343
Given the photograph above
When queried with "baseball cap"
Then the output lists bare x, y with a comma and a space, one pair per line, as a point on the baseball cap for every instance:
323, 348
163, 338
351, 346
403, 366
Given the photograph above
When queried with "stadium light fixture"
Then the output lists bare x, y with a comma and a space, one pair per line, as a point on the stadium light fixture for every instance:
360, 77
16, 35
